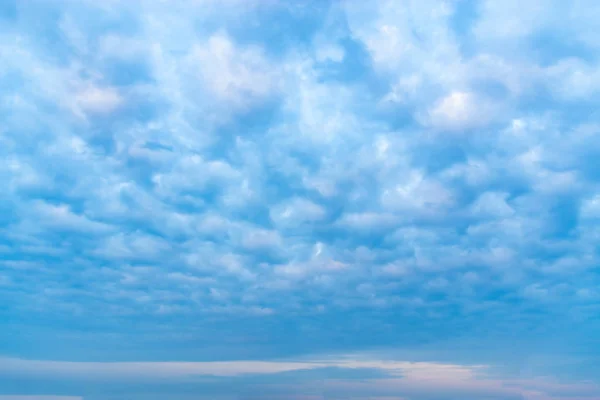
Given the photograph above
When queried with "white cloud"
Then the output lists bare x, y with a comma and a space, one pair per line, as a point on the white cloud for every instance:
389, 47
514, 19
395, 269
98, 100
240, 77
368, 220
235, 264
193, 172
590, 208
122, 47
325, 187
170, 370
61, 217
417, 193
323, 111
316, 268
297, 211
401, 35
136, 245
404, 90
458, 111
166, 183
215, 224
413, 379
492, 204
474, 172
261, 239
573, 79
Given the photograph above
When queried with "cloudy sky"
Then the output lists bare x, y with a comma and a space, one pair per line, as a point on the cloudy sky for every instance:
299, 200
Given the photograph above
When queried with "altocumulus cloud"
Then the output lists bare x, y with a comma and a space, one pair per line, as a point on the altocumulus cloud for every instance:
321, 199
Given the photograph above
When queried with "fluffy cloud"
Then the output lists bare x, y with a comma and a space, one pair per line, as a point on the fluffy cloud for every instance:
98, 100
263, 179
459, 111
233, 75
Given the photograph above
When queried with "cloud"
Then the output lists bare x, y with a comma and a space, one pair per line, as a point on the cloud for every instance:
492, 204
98, 100
572, 79
60, 217
398, 378
261, 239
262, 180
417, 193
459, 111
297, 211
238, 77
170, 370
368, 221
24, 397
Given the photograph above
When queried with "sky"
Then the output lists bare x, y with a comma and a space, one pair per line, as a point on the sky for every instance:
299, 200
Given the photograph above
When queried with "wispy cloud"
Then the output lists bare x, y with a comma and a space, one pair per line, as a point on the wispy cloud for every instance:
395, 378
15, 397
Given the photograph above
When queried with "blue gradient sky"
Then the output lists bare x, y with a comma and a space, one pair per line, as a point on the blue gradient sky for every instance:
305, 200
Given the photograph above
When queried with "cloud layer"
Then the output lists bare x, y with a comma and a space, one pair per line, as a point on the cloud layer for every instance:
211, 181
331, 378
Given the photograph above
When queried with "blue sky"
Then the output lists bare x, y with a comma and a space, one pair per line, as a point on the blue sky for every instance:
306, 200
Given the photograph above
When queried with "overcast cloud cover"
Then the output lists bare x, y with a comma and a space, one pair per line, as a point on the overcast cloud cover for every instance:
305, 200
